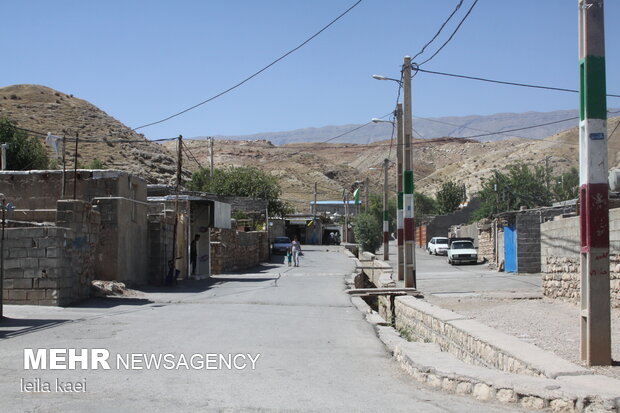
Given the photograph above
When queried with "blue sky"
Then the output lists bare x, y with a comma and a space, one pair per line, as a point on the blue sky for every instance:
141, 61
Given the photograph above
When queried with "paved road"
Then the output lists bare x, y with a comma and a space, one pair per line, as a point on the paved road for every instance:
316, 351
435, 276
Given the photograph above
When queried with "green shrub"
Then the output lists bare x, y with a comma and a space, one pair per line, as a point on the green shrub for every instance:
368, 232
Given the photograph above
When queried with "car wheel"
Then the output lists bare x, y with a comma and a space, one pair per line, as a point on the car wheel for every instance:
430, 252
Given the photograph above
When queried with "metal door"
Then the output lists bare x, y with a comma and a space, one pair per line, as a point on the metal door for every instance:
510, 249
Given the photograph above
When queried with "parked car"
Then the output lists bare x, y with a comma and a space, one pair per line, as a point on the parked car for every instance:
461, 250
281, 244
437, 246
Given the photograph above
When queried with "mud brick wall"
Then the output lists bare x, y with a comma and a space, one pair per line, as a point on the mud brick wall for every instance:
160, 238
560, 245
52, 265
233, 251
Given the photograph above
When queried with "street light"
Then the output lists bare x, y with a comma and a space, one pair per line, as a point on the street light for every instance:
379, 77
377, 120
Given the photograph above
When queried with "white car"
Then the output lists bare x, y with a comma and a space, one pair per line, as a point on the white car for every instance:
437, 246
461, 250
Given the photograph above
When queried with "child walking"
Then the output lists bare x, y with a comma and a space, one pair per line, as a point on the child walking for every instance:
289, 255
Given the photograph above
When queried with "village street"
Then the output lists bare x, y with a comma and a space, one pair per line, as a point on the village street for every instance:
310, 348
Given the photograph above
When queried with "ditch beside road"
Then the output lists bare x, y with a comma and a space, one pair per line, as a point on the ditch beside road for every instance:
511, 303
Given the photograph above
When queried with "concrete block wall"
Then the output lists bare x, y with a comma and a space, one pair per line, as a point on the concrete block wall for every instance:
52, 265
232, 250
560, 254
122, 252
528, 243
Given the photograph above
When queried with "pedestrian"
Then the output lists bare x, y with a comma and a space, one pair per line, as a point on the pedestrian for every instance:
289, 255
193, 253
296, 247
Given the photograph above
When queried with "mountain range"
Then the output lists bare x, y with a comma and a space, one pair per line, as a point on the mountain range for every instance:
487, 128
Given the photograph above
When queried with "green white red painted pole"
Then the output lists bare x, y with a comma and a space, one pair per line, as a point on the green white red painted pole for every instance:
593, 195
409, 223
400, 218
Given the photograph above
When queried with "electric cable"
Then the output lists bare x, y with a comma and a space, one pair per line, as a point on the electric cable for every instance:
502, 82
458, 6
452, 35
254, 74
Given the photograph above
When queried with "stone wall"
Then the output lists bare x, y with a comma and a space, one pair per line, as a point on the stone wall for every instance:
486, 245
560, 253
52, 265
233, 250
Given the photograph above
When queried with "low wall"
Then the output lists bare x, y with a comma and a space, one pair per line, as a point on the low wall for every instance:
233, 250
52, 265
560, 256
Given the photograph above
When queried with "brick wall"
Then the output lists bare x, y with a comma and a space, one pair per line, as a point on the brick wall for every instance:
232, 250
52, 265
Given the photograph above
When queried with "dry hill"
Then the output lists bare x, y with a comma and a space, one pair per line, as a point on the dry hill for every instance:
337, 166
297, 166
41, 109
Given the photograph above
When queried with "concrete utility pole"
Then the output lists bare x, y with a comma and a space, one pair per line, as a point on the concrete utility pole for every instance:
386, 220
400, 218
4, 146
211, 156
593, 193
314, 205
346, 217
176, 206
409, 216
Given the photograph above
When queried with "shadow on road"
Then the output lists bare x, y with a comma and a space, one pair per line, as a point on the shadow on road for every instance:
14, 327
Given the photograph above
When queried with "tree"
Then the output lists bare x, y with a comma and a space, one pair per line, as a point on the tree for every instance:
521, 185
24, 152
566, 186
368, 232
375, 208
449, 197
242, 181
424, 205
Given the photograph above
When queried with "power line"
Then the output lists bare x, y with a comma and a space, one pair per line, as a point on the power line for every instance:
254, 74
502, 82
452, 35
458, 6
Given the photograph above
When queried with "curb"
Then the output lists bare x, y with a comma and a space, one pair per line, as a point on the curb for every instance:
440, 370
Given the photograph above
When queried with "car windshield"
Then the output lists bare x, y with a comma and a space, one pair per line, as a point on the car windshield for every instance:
282, 240
462, 245
441, 241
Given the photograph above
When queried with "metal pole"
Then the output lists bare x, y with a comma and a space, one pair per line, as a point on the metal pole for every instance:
211, 156
409, 216
367, 190
346, 218
386, 221
595, 321
400, 217
64, 166
75, 165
